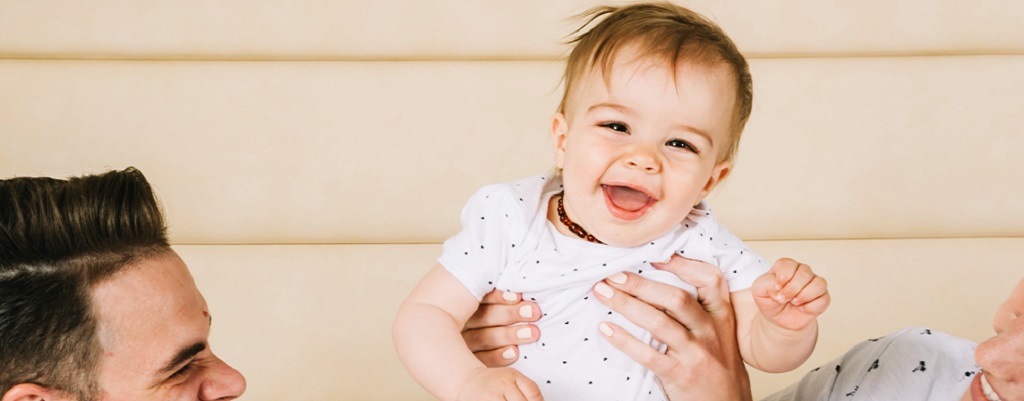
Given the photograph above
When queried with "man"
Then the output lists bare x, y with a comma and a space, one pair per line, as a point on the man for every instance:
94, 304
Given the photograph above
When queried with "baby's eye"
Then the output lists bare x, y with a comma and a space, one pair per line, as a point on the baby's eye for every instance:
616, 127
678, 143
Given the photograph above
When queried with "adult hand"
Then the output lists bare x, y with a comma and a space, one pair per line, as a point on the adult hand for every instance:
493, 332
703, 360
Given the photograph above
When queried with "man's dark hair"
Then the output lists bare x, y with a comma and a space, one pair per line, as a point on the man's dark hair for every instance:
58, 238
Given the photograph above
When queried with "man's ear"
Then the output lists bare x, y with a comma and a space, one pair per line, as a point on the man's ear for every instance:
559, 128
721, 170
31, 392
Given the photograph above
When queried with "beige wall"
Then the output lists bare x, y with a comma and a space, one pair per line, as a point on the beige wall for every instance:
884, 149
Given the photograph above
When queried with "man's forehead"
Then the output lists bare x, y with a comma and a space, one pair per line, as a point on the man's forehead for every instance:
162, 280
148, 311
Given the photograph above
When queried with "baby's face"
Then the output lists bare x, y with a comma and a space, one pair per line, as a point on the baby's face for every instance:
639, 152
1002, 356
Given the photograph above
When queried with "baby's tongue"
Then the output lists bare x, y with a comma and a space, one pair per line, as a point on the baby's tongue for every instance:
626, 198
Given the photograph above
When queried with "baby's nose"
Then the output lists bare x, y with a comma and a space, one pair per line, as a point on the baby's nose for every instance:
641, 158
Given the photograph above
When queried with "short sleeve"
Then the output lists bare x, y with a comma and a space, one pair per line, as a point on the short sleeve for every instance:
738, 263
479, 252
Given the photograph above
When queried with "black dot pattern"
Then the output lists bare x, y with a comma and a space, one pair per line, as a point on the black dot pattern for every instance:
506, 242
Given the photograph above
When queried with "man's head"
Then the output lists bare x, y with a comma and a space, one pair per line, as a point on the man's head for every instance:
1002, 357
85, 271
665, 33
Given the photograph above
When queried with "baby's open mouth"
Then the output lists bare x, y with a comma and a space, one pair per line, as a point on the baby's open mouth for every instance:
626, 198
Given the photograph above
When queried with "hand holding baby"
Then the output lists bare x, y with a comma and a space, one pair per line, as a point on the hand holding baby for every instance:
790, 295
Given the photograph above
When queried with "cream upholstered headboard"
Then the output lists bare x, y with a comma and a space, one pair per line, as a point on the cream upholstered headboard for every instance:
311, 155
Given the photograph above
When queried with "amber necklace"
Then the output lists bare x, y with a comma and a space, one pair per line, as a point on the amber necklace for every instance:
575, 228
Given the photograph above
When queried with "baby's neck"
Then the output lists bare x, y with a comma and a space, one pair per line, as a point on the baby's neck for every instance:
554, 219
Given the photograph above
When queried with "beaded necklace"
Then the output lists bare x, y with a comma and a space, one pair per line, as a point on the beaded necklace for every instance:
575, 228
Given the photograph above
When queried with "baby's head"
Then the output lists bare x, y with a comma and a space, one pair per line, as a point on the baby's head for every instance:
655, 100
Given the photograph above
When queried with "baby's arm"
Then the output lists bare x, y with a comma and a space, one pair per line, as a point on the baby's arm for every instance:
427, 337
776, 318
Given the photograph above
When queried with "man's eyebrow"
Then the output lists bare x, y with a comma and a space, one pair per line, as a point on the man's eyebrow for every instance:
183, 355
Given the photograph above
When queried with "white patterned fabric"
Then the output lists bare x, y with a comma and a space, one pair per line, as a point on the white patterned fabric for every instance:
913, 364
508, 243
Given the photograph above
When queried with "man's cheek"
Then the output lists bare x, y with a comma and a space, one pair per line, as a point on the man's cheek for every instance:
1003, 355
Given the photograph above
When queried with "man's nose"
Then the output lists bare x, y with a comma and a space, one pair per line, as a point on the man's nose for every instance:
222, 383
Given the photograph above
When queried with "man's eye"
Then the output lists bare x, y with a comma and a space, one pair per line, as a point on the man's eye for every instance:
182, 372
616, 127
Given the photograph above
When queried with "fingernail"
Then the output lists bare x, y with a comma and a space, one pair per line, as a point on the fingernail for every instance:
524, 333
780, 298
605, 328
510, 296
604, 290
526, 311
618, 278
509, 354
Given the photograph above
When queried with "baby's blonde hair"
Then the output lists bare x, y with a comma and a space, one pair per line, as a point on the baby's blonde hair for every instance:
661, 30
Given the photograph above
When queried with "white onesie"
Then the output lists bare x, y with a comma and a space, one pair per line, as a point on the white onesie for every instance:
508, 243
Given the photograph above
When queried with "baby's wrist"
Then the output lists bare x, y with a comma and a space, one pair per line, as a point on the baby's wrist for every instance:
811, 326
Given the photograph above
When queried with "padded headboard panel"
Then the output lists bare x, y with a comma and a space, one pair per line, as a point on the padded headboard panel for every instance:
885, 149
371, 122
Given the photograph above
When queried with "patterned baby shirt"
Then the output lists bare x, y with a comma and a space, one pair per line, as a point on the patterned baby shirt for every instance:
508, 243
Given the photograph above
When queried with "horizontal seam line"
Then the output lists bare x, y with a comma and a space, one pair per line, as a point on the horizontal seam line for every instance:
310, 59
440, 242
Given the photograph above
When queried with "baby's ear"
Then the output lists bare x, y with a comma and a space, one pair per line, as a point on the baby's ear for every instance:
559, 128
31, 392
718, 173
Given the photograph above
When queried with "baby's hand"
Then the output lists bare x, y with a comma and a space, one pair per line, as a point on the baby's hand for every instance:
790, 294
499, 384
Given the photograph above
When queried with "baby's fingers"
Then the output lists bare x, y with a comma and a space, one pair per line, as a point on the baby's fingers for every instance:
816, 305
783, 270
764, 286
790, 283
814, 290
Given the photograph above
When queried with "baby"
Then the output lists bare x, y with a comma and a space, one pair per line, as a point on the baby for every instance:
655, 100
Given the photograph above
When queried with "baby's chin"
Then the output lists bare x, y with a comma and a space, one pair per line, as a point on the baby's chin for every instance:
627, 241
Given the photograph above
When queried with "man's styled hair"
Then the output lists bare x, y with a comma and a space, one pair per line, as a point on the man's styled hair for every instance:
660, 30
58, 238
